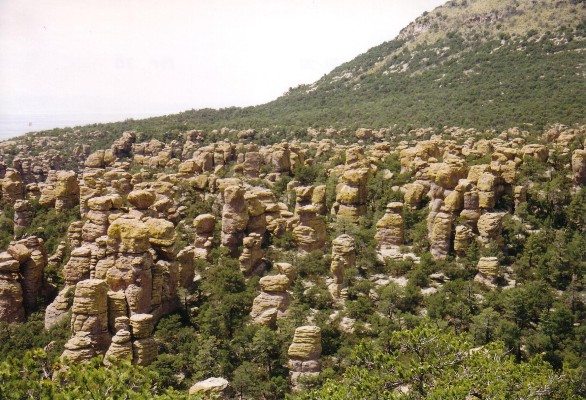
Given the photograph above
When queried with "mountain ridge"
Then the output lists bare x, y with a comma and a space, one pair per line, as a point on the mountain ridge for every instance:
489, 65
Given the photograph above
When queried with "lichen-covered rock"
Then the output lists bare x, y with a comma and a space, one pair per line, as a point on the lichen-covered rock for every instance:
251, 164
133, 275
57, 310
304, 354
142, 199
66, 190
31, 270
440, 234
579, 166
23, 214
186, 260
91, 297
90, 315
11, 296
273, 301
79, 349
204, 225
287, 269
144, 351
519, 196
343, 258
462, 240
74, 234
212, 387
490, 226
234, 218
12, 186
351, 193
161, 232
488, 267
275, 283
79, 265
95, 160
120, 349
306, 343
122, 147
141, 325
537, 151
310, 228
390, 229
252, 254
129, 235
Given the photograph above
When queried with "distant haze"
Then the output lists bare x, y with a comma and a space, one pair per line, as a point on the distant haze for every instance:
134, 58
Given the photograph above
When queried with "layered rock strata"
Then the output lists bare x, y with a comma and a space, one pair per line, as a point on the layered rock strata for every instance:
390, 229
273, 300
304, 355
343, 258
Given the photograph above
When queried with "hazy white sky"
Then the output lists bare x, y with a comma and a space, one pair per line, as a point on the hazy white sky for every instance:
158, 57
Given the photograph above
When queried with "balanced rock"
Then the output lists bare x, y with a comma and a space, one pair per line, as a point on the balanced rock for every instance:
390, 229
310, 230
204, 225
234, 218
142, 199
252, 254
343, 258
23, 214
304, 354
489, 227
488, 267
273, 301
440, 235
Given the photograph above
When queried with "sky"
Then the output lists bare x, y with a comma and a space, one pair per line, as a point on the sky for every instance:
155, 57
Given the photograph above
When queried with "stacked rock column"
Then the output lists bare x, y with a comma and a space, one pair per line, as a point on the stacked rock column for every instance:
343, 258
304, 355
89, 321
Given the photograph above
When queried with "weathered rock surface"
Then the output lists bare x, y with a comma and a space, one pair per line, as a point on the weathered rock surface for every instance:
252, 255
579, 166
11, 294
390, 229
343, 258
12, 186
304, 354
204, 225
89, 321
210, 386
440, 235
23, 214
488, 267
351, 193
234, 218
273, 301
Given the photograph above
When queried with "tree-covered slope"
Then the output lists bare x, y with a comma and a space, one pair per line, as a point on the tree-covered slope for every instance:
478, 63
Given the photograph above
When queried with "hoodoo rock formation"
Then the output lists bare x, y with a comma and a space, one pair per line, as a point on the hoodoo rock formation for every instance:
273, 300
343, 258
304, 354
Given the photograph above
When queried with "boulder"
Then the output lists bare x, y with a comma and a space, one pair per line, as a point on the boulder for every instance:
209, 387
